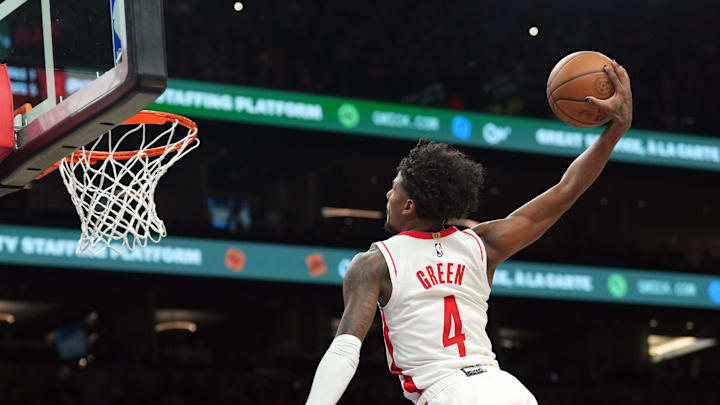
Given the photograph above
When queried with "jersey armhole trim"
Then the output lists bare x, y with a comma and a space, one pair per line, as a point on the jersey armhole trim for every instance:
390, 261
483, 257
391, 258
477, 239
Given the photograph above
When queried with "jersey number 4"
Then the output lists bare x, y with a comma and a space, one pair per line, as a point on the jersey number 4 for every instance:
453, 316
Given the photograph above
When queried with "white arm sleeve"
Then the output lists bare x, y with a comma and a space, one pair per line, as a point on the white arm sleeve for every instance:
335, 370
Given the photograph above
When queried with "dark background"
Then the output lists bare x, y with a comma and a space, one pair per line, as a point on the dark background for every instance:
259, 342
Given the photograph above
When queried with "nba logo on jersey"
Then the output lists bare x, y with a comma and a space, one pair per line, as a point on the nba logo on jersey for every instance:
439, 249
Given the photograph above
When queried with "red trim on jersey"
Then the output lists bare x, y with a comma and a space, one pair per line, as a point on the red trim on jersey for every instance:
386, 333
408, 383
482, 255
391, 258
429, 235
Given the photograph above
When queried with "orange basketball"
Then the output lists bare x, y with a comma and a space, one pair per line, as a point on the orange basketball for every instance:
575, 77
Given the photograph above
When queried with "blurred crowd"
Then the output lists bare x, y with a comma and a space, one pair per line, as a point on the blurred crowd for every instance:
286, 382
476, 55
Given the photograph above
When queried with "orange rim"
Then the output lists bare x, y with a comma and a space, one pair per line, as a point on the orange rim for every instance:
143, 117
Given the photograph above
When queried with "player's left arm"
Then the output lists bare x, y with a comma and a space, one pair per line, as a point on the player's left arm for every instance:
505, 237
361, 289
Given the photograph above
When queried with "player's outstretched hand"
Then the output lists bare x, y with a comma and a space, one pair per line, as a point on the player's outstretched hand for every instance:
619, 106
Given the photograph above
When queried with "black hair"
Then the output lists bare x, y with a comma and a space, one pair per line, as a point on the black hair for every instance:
444, 182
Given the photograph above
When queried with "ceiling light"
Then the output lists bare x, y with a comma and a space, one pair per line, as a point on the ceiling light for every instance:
5, 317
176, 325
330, 212
667, 347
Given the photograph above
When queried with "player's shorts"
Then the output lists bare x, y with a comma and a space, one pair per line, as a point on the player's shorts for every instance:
477, 385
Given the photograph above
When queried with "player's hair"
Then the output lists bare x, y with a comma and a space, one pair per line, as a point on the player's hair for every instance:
444, 182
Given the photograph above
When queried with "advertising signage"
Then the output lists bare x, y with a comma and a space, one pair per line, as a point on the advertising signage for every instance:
362, 117
46, 247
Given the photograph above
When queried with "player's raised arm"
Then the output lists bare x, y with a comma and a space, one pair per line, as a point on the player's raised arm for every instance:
361, 289
504, 237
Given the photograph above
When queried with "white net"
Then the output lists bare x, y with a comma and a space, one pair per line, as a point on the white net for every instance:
112, 184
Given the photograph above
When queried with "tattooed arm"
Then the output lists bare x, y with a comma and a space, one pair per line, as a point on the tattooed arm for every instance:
365, 284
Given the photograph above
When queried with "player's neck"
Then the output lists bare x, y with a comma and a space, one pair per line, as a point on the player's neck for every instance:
421, 225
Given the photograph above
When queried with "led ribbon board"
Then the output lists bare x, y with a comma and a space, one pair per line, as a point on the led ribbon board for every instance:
48, 247
324, 113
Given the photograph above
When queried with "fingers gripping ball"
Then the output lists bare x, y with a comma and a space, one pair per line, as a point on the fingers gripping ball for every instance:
575, 77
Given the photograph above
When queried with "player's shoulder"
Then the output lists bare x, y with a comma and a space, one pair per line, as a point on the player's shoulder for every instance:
396, 240
368, 263
373, 257
475, 232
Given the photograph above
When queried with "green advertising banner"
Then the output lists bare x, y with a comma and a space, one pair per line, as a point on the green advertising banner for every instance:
259, 261
543, 280
324, 113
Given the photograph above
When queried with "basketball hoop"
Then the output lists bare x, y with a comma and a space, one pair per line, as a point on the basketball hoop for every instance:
112, 181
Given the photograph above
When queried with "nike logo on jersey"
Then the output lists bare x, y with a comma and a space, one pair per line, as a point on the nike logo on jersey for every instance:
441, 273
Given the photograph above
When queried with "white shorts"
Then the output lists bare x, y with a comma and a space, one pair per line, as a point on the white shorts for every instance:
486, 385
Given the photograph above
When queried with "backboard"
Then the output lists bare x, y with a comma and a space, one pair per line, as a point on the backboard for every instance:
84, 65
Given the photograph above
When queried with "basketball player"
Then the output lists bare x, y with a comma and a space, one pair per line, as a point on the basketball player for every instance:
432, 283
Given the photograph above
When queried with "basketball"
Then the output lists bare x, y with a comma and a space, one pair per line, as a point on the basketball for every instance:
575, 77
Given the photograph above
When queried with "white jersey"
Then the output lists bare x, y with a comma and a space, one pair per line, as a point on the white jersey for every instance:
434, 323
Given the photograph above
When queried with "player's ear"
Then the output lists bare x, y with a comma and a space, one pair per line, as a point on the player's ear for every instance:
409, 207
